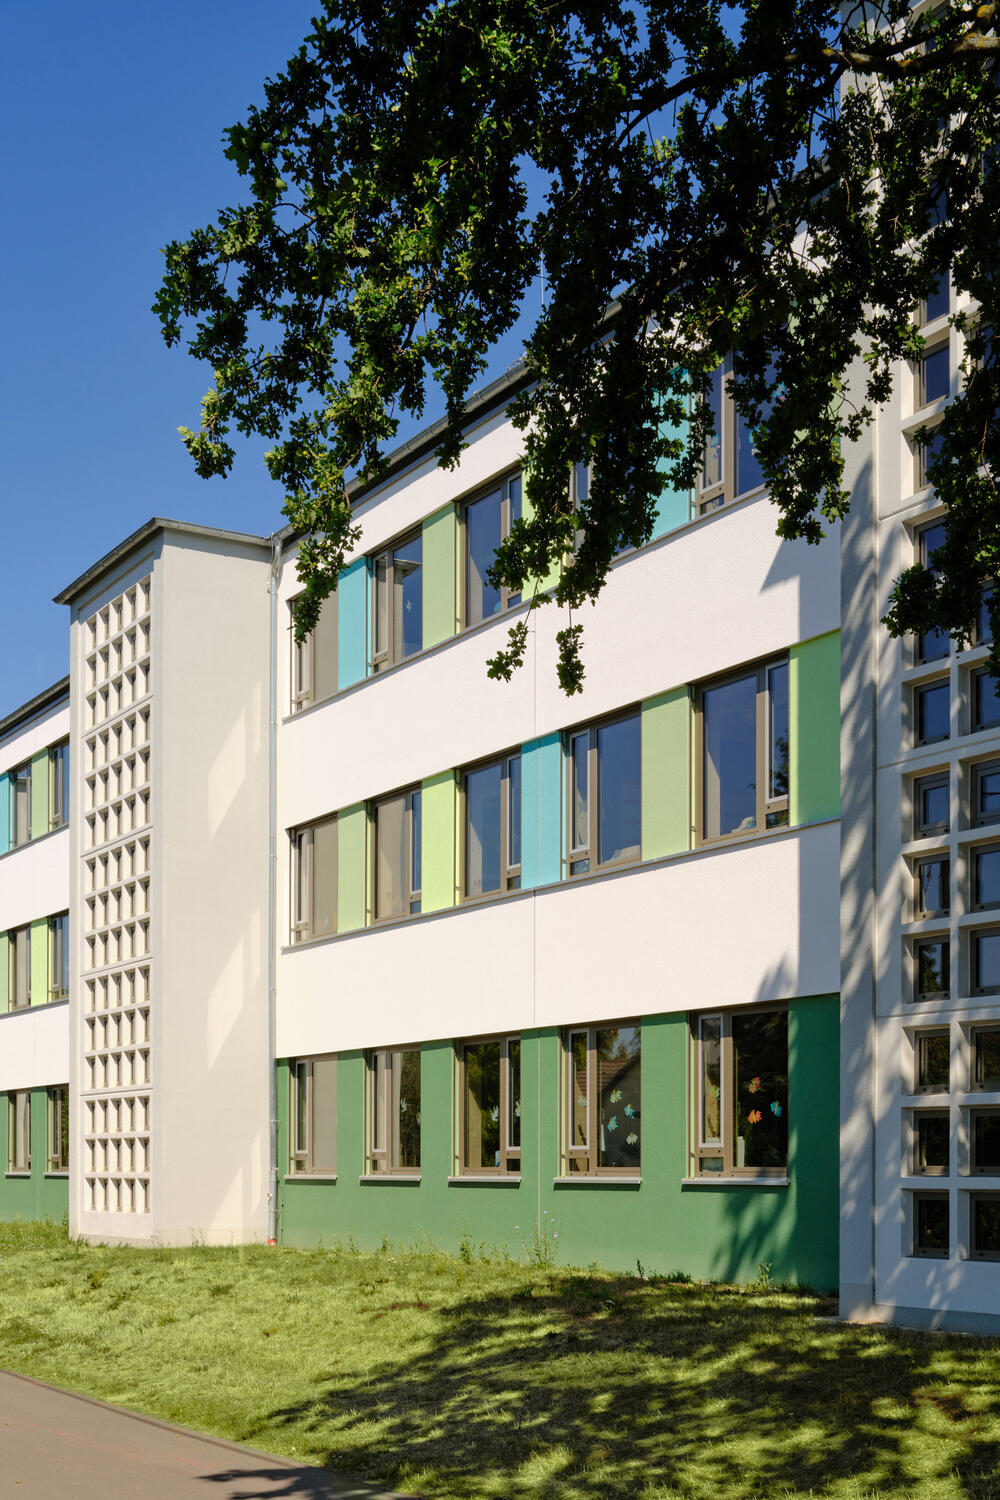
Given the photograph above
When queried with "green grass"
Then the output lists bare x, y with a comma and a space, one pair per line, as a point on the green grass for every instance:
476, 1377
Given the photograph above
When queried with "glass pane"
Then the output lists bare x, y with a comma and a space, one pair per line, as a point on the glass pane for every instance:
935, 375
932, 967
581, 799
932, 1142
749, 474
932, 805
986, 962
986, 878
482, 538
984, 630
482, 1105
988, 800
408, 599
514, 810
324, 1114
416, 848
937, 303
514, 510
929, 452
64, 1127
933, 877
406, 1109
301, 1143
986, 1142
324, 875
988, 1059
514, 1094
21, 942
619, 1099
380, 1063
777, 737
730, 761
933, 713
381, 605
933, 1062
760, 1086
324, 650
986, 705
932, 643
619, 791
390, 860
578, 1083
986, 1226
931, 1224
22, 805
710, 1035
712, 467
482, 849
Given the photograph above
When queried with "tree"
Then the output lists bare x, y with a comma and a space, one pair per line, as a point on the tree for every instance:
779, 179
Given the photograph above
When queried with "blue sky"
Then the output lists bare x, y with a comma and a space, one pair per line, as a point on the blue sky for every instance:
111, 118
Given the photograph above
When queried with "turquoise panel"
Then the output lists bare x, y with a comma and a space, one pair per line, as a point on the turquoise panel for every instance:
541, 811
674, 506
352, 624
4, 813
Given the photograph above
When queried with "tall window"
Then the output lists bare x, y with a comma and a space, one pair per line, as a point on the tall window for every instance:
394, 1110
740, 1093
59, 785
20, 805
59, 956
604, 795
314, 880
19, 1131
490, 1105
492, 807
730, 467
397, 603
603, 1078
57, 1155
931, 643
488, 522
19, 973
314, 660
397, 834
314, 1115
744, 752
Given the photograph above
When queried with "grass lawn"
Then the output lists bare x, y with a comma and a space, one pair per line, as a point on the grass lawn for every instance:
469, 1377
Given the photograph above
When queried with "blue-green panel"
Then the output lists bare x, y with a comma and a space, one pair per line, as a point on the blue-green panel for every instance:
673, 508
541, 811
352, 623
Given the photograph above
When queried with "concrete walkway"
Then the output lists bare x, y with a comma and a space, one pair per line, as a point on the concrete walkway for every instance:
54, 1444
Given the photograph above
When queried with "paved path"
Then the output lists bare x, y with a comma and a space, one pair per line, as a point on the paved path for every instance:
54, 1445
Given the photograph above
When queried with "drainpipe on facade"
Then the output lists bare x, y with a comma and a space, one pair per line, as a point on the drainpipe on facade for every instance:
272, 800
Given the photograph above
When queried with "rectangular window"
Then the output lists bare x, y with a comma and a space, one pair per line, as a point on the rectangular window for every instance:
488, 521
744, 732
985, 877
985, 961
20, 805
932, 959
19, 1131
397, 602
932, 712
314, 881
397, 838
985, 1133
931, 1142
740, 1093
931, 644
931, 1232
985, 702
730, 466
933, 880
59, 956
937, 303
394, 1111
19, 975
492, 819
986, 1057
986, 793
930, 805
933, 373
314, 660
59, 785
932, 1056
926, 452
603, 1078
604, 768
314, 1115
58, 1129
490, 1105
985, 1216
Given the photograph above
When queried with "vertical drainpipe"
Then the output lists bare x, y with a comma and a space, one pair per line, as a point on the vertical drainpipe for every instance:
272, 809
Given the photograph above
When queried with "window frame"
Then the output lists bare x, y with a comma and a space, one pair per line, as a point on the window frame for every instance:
301, 1075
976, 987
18, 1100
920, 692
979, 819
381, 659
921, 1040
510, 1156
589, 1155
978, 678
59, 785
929, 782
412, 895
921, 911
57, 1130
765, 806
16, 937
19, 776
590, 852
302, 881
919, 1167
975, 1251
509, 598
302, 675
379, 1159
59, 955
698, 1150
510, 872
943, 940
978, 1083
918, 1251
722, 492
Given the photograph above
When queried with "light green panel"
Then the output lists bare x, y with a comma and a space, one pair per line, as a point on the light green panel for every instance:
551, 578
39, 794
666, 774
440, 553
40, 962
352, 868
438, 865
4, 977
814, 729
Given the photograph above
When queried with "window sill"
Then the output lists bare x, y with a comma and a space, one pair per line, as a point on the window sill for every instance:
498, 1179
56, 1176
25, 1176
712, 1179
310, 1176
592, 1179
39, 838
31, 1010
410, 1179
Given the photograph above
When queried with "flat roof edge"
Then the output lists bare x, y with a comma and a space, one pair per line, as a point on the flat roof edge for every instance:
146, 530
34, 707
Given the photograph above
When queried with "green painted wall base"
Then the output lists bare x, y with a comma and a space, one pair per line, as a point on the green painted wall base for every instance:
708, 1231
35, 1195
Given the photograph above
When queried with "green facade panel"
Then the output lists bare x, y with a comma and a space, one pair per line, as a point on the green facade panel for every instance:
39, 794
40, 962
438, 845
666, 774
814, 721
36, 1195
712, 1231
352, 868
440, 562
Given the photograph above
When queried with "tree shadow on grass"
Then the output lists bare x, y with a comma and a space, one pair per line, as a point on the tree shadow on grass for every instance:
594, 1387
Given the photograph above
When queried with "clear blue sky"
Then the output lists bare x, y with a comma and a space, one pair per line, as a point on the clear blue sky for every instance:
111, 118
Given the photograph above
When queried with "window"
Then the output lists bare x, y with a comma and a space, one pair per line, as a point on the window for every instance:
604, 1099
930, 805
19, 974
931, 644
932, 711
19, 1131
314, 660
985, 1225
488, 522
730, 467
932, 960
59, 785
985, 1133
490, 1105
986, 961
394, 1111
932, 1055
314, 881
397, 603
933, 375
57, 1155
604, 795
744, 731
59, 956
937, 303
926, 452
986, 793
985, 876
740, 1093
314, 1115
20, 805
986, 1057
985, 701
931, 1142
931, 1234
397, 855
932, 878
492, 817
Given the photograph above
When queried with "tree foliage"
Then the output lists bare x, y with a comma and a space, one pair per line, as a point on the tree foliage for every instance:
778, 179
